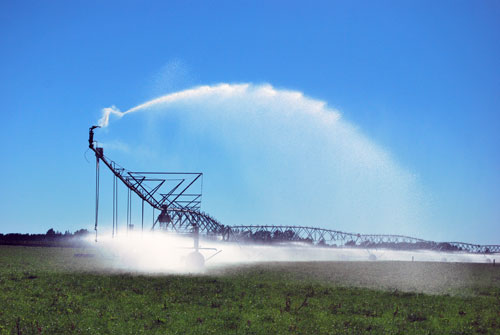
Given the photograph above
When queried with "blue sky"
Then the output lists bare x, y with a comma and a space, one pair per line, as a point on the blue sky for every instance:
421, 79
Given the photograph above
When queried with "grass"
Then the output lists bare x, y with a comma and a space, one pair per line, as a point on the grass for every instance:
49, 291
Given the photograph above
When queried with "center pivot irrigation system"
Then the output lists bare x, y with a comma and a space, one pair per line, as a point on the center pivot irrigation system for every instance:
177, 198
171, 193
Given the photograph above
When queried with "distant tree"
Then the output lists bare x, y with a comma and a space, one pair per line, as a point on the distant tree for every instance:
81, 232
365, 243
307, 240
278, 235
262, 235
289, 235
50, 233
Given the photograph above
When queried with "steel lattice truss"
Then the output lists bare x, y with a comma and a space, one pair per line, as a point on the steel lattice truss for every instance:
171, 193
328, 237
160, 189
182, 221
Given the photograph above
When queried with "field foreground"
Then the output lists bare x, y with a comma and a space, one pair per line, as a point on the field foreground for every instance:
60, 291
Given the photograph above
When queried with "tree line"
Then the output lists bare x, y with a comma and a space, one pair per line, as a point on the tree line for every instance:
49, 239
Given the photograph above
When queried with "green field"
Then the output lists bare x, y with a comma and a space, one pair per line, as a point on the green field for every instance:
50, 291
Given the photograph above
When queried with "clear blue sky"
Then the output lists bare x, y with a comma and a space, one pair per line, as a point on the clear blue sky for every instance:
419, 78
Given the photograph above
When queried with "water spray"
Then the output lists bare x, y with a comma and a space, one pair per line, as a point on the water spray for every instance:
179, 211
181, 214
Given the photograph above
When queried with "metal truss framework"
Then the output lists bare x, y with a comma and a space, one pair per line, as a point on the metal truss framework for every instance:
171, 193
182, 221
328, 237
179, 211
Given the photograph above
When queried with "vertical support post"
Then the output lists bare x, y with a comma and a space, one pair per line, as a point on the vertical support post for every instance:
196, 237
128, 208
116, 206
130, 199
96, 194
114, 202
142, 221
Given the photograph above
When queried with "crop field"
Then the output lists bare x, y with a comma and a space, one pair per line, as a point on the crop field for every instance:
64, 291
